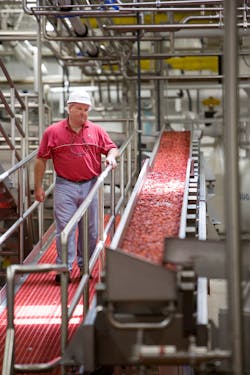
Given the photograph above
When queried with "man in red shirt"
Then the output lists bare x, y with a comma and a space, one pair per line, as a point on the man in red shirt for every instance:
75, 145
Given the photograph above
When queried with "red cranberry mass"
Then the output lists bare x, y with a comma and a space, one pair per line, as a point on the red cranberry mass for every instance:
158, 209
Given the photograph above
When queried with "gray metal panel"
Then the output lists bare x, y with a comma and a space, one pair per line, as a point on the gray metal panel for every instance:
129, 278
117, 346
208, 258
81, 349
225, 336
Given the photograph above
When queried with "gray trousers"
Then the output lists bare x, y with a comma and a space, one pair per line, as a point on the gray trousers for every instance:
68, 196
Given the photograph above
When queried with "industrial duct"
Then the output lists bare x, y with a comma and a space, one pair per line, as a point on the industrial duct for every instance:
78, 27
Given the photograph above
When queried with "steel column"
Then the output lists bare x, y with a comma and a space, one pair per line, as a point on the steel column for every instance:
231, 184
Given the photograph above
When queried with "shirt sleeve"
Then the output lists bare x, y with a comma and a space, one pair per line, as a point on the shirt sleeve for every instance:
44, 150
106, 142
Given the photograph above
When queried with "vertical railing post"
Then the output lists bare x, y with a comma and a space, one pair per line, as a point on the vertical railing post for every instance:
101, 223
25, 141
122, 190
64, 299
21, 194
85, 242
231, 184
12, 124
112, 200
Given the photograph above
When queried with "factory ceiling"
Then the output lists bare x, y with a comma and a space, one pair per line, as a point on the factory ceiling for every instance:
105, 40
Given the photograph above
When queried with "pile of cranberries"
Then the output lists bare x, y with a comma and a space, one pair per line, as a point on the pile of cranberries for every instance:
158, 209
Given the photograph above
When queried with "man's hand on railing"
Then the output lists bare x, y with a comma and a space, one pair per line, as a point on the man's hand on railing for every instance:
111, 157
39, 194
110, 160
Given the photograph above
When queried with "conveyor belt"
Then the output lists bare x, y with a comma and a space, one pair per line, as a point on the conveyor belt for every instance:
157, 209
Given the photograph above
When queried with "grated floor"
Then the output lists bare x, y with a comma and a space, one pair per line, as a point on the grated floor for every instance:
37, 315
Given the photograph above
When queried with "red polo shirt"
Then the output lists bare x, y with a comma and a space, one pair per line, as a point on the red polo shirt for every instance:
76, 156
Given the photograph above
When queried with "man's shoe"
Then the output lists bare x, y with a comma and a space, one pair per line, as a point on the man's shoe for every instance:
58, 278
81, 272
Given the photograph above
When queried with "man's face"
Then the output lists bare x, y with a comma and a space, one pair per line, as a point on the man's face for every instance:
78, 112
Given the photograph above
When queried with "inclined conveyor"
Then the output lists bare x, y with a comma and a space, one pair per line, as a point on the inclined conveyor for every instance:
151, 309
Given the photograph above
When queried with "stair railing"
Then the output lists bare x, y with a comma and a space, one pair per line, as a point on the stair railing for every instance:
24, 210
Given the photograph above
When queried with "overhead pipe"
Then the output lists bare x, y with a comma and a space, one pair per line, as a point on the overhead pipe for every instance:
56, 80
100, 106
79, 28
82, 61
174, 78
172, 27
86, 13
17, 35
92, 38
187, 33
115, 47
66, 45
208, 33
109, 95
67, 61
118, 92
95, 66
210, 17
166, 55
171, 6
150, 6
202, 18
11, 2
198, 78
126, 12
175, 3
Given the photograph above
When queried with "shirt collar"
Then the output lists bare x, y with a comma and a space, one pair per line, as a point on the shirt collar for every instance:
66, 124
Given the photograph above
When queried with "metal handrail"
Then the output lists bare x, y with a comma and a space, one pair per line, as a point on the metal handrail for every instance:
8, 364
14, 102
129, 208
11, 84
10, 109
20, 166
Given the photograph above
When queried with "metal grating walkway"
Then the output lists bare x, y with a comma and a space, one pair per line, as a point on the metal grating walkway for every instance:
37, 315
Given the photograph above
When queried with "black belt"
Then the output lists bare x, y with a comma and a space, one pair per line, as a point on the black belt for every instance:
75, 182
